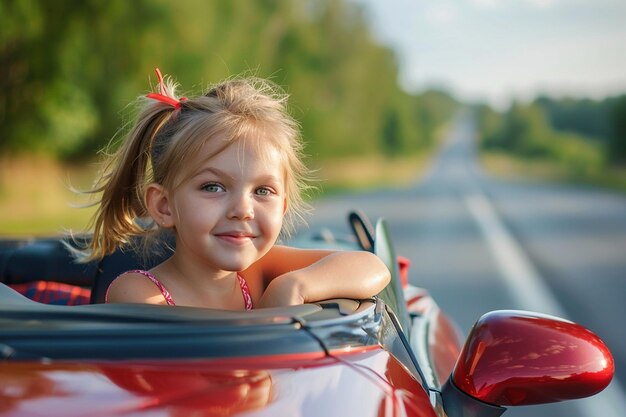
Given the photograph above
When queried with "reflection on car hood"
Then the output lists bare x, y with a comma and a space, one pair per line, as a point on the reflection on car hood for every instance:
355, 384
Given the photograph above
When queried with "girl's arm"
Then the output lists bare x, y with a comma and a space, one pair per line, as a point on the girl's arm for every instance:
302, 276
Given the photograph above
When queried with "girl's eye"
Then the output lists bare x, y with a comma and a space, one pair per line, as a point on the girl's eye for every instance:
213, 188
264, 191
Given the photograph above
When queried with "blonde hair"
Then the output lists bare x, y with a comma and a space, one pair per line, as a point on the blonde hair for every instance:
164, 138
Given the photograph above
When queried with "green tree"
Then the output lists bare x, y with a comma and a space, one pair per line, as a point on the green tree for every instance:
522, 129
391, 134
617, 141
582, 116
66, 66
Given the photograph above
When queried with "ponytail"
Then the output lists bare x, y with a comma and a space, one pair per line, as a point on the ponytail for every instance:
122, 184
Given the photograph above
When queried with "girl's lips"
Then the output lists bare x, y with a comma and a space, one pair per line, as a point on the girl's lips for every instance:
235, 238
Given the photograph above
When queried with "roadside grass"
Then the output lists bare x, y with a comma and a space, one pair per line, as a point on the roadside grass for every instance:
356, 174
36, 197
507, 165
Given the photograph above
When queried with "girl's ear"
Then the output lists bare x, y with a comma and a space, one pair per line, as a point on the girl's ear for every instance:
158, 205
284, 206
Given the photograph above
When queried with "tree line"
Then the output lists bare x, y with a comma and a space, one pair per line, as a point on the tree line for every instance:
583, 135
68, 68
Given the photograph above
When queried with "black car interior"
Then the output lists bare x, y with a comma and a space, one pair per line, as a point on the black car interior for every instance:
50, 260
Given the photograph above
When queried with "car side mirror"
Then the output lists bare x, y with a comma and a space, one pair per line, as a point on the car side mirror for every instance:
523, 358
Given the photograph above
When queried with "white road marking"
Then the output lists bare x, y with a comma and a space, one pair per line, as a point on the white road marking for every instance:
530, 292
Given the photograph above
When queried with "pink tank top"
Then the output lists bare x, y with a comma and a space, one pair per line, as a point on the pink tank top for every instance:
168, 298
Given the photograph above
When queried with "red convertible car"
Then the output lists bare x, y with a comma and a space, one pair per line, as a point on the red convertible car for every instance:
396, 354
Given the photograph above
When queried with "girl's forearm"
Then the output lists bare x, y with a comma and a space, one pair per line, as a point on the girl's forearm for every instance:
338, 275
344, 275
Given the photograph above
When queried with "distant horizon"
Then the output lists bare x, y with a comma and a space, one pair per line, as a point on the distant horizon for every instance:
524, 99
496, 53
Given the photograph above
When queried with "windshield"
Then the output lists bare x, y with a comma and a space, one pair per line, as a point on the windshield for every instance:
393, 294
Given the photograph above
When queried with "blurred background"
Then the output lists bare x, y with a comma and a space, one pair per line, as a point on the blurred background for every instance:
460, 121
373, 85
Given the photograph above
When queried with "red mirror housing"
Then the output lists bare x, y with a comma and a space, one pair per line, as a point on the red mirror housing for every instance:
522, 358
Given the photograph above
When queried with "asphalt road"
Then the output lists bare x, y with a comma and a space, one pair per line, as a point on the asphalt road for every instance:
479, 243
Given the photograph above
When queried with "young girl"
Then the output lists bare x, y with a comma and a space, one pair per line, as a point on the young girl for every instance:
223, 173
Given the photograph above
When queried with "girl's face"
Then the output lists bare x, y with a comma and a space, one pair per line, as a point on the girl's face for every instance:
229, 212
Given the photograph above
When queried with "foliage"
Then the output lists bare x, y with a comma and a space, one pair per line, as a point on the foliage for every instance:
601, 120
524, 131
617, 139
520, 130
583, 116
62, 77
70, 66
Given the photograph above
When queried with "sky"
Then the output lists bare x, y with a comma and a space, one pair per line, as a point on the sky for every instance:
499, 50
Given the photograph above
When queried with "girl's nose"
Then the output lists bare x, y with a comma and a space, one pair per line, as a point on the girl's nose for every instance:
241, 208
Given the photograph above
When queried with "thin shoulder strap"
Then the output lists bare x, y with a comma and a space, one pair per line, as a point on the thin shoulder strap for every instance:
164, 292
247, 298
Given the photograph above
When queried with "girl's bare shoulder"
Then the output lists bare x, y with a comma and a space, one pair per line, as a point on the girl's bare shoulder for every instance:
134, 287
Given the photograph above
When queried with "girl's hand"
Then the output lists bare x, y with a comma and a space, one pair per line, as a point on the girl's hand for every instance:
283, 291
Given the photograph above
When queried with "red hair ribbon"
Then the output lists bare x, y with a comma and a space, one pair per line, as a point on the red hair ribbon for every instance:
162, 97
